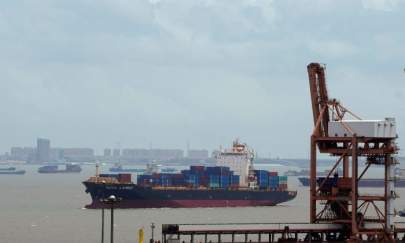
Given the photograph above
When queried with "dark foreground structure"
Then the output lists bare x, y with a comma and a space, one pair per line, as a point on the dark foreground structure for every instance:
338, 211
373, 183
261, 233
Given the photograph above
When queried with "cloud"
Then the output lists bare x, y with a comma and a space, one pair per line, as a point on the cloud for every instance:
332, 48
381, 5
165, 71
188, 20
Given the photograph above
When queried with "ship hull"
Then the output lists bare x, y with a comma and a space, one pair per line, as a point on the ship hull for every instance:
362, 183
184, 204
134, 196
17, 172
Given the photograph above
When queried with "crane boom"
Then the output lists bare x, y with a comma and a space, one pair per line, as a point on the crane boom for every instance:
319, 97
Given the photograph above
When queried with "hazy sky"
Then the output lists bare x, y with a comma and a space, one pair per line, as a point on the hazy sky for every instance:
157, 73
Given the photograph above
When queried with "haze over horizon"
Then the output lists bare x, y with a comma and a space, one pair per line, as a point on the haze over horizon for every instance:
154, 72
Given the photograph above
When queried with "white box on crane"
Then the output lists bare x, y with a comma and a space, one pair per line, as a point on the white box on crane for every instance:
363, 128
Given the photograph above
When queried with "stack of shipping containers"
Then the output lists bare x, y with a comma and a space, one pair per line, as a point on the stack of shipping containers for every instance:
283, 183
262, 177
217, 177
274, 180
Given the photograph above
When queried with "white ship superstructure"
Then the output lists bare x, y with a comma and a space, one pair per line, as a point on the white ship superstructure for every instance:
239, 159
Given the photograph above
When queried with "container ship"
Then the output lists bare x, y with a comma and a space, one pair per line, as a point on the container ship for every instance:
69, 168
233, 182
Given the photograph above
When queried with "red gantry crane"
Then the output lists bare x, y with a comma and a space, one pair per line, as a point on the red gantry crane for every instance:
339, 212
336, 198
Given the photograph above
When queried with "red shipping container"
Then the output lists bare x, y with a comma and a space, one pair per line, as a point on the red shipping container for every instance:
283, 187
178, 176
273, 173
200, 168
204, 180
124, 178
197, 168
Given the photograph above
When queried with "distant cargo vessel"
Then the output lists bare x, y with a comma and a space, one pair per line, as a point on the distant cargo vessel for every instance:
11, 171
232, 183
305, 173
8, 169
367, 182
150, 169
69, 168
119, 168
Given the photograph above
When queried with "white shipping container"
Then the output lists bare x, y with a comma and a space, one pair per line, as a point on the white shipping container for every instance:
363, 128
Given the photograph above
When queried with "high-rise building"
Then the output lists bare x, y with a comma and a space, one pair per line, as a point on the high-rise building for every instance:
23, 154
78, 154
43, 150
135, 154
56, 154
116, 152
107, 152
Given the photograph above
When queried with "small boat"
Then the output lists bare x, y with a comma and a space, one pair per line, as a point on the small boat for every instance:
401, 213
367, 182
12, 172
69, 168
297, 173
8, 169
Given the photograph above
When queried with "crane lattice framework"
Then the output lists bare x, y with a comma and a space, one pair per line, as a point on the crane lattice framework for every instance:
336, 198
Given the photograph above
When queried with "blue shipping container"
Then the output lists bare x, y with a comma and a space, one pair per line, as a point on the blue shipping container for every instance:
262, 177
178, 182
193, 179
156, 181
143, 178
274, 181
214, 179
214, 185
218, 170
166, 182
186, 172
261, 173
224, 181
264, 182
235, 180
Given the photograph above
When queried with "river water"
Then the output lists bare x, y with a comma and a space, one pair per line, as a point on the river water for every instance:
45, 208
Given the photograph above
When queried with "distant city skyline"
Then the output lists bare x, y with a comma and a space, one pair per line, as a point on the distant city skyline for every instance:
102, 150
44, 152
